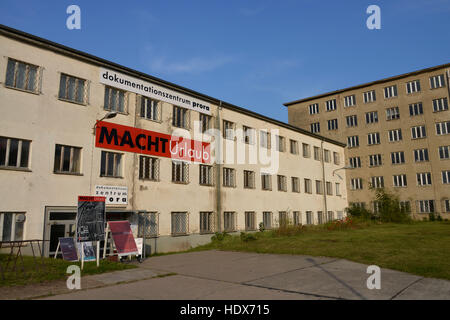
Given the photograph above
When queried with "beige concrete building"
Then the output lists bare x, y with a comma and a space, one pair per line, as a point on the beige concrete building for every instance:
397, 132
52, 150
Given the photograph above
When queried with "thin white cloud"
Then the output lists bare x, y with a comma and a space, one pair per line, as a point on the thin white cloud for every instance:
190, 65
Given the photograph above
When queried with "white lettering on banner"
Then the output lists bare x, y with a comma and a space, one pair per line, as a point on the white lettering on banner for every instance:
124, 82
113, 194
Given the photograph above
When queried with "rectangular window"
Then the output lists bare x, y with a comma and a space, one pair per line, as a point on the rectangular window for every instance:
67, 159
306, 150
267, 220
11, 226
297, 217
330, 216
421, 155
295, 184
249, 179
319, 187
390, 92
415, 109
308, 186
282, 183
250, 221
14, 153
424, 179
437, 81
440, 105
355, 162
249, 135
309, 217
356, 184
336, 158
352, 121
443, 128
179, 223
316, 153
425, 206
447, 205
413, 86
400, 180
405, 206
72, 89
371, 117
293, 146
353, 142
314, 108
331, 104
180, 117
207, 222
329, 188
229, 177
282, 218
205, 122
320, 217
332, 124
280, 144
206, 175
392, 113
373, 138
229, 221
398, 157
418, 132
395, 135
264, 139
180, 172
266, 181
444, 152
326, 155
350, 100
22, 75
149, 109
315, 127
148, 168
446, 177
377, 182
228, 130
375, 160
338, 189
111, 164
115, 100
369, 96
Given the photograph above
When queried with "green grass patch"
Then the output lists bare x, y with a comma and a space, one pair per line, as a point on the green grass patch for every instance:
421, 248
53, 269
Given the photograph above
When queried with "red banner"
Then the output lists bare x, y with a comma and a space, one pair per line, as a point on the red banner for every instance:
123, 237
124, 138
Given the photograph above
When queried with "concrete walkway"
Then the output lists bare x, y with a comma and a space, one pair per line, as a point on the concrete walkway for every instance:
236, 275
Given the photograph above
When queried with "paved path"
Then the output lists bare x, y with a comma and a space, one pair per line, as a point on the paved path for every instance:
236, 275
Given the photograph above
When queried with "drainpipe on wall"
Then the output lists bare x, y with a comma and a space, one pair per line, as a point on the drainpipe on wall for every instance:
323, 181
218, 156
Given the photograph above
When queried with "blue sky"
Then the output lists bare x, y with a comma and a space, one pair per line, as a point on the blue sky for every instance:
255, 54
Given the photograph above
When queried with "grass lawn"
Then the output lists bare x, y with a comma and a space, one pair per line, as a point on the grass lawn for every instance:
53, 269
421, 248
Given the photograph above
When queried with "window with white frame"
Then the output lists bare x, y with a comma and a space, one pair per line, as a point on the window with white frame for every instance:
405, 206
264, 139
352, 141
180, 172
400, 180
332, 124
267, 220
446, 177
229, 177
369, 96
179, 223
373, 138
447, 205
180, 117
266, 181
326, 155
207, 222
355, 162
228, 130
149, 109
280, 144
293, 146
418, 132
375, 160
413, 86
249, 179
390, 92
315, 127
115, 100
377, 182
395, 135
306, 150
440, 105
320, 217
371, 117
67, 159
361, 205
329, 188
297, 218
249, 135
205, 122
229, 221
421, 155
314, 108
424, 179
295, 184
376, 206
444, 152
250, 220
206, 175
352, 121
22, 75
331, 105
356, 184
282, 218
336, 158
282, 184
437, 81
340, 215
443, 128
309, 217
308, 186
338, 188
398, 157
317, 153
14, 153
11, 226
148, 168
350, 100
415, 109
111, 164
425, 206
392, 113
73, 89
330, 216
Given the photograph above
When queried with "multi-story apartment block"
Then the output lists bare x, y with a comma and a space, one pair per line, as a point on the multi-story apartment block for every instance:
397, 132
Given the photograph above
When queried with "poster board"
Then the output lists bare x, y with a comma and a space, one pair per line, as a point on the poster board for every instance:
88, 253
139, 245
91, 218
123, 238
68, 249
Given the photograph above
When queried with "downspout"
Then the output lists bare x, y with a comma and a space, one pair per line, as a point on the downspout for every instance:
218, 165
323, 181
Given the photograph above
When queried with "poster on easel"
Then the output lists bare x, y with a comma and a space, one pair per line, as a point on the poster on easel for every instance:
88, 252
123, 238
91, 218
68, 249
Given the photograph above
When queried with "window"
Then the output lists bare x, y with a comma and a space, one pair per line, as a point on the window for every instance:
350, 100
373, 138
267, 219
14, 153
332, 124
437, 81
400, 180
326, 155
205, 122
331, 104
330, 216
249, 135
377, 182
297, 217
369, 96
229, 221
266, 181
228, 130
355, 162
111, 164
11, 226
371, 117
295, 184
308, 186
352, 121
250, 221
375, 160
356, 184
443, 128
249, 179
148, 168
361, 205
447, 205
415, 109
446, 177
319, 188
293, 146
115, 100
149, 109
206, 175
352, 141
425, 206
180, 117
309, 217
424, 179
413, 86
264, 139
329, 188
179, 223
398, 157
229, 177
314, 108
148, 223
306, 150
72, 89
316, 153
421, 155
444, 152
338, 189
282, 184
395, 135
22, 75
67, 159
180, 172
392, 113
390, 92
280, 144
319, 217
340, 215
418, 132
207, 222
405, 206
440, 104
282, 218
336, 158
315, 127
376, 206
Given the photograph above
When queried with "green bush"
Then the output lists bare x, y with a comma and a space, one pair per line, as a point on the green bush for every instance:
359, 212
389, 209
431, 216
261, 227
248, 237
220, 236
